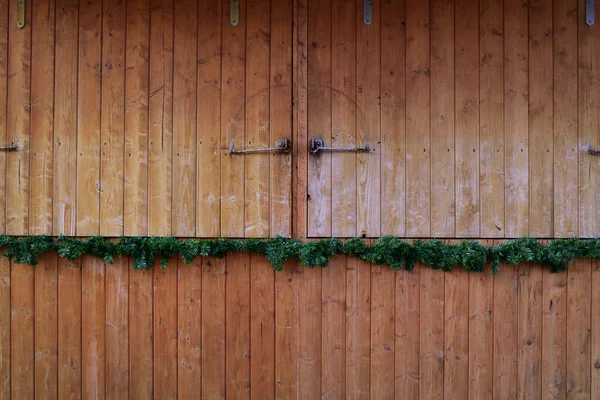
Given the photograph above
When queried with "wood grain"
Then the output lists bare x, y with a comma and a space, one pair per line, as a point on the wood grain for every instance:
69, 329
431, 331
165, 329
141, 355
5, 328
22, 313
4, 18
93, 328
456, 343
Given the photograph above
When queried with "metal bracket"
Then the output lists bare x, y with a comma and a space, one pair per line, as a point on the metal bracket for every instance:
282, 145
594, 152
12, 147
368, 12
234, 12
589, 12
316, 145
20, 14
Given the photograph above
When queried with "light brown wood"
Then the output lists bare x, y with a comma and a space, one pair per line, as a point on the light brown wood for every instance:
491, 118
160, 114
333, 325
393, 117
516, 149
184, 118
257, 166
136, 118
5, 319
286, 332
588, 125
42, 117
566, 200
165, 329
308, 319
64, 180
262, 328
93, 327
189, 331
431, 332
117, 328
595, 327
443, 185
213, 327
4, 17
141, 355
112, 134
208, 199
407, 337
466, 52
280, 103
18, 128
237, 326
456, 343
418, 140
69, 329
46, 327
319, 116
89, 75
22, 314
344, 111
530, 331
233, 83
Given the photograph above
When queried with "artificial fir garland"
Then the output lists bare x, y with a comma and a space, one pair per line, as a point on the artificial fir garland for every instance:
387, 250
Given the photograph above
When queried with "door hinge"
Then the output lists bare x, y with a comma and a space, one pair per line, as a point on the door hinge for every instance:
20, 14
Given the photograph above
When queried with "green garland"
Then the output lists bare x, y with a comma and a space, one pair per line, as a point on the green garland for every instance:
387, 250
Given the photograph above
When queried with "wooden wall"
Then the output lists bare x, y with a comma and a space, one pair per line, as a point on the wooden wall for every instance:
234, 328
479, 116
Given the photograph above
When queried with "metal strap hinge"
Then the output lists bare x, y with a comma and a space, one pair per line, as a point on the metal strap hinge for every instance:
12, 147
589, 12
20, 14
282, 145
316, 145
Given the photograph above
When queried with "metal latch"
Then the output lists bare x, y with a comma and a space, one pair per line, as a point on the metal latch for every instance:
316, 145
12, 147
282, 145
20, 14
368, 12
234, 12
589, 12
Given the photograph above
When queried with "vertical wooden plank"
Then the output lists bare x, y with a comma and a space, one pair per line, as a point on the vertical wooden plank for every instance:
286, 332
481, 317
368, 122
358, 328
184, 117
165, 329
141, 356
18, 109
554, 335
4, 17
233, 110
588, 124
208, 199
117, 328
46, 327
443, 198
213, 327
407, 344
491, 118
456, 343
237, 326
189, 334
383, 287
112, 133
530, 331
431, 344
69, 329
262, 328
566, 201
309, 347
65, 118
160, 114
505, 332
136, 118
393, 117
516, 153
280, 120
343, 118
466, 51
93, 323
418, 141
5, 319
541, 149
88, 117
333, 292
595, 325
22, 307
42, 117
579, 302
257, 168
319, 116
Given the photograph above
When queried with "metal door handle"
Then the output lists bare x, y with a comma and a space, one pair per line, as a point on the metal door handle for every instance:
316, 145
282, 145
